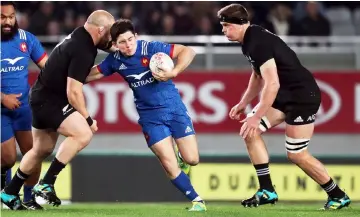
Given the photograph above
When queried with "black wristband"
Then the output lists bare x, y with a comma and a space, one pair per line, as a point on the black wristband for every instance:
90, 121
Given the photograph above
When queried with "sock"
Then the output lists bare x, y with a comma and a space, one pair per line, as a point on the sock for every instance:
263, 173
15, 185
8, 176
182, 182
3, 177
333, 189
27, 193
52, 173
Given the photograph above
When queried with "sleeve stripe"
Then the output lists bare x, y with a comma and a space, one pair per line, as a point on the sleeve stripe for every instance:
41, 58
172, 50
22, 34
144, 48
99, 69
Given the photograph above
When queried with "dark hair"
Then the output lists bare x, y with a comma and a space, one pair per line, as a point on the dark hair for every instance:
6, 3
235, 13
120, 27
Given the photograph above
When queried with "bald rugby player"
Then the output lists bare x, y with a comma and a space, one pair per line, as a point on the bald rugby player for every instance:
58, 107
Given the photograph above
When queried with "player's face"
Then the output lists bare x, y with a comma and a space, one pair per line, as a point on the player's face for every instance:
230, 31
9, 25
126, 43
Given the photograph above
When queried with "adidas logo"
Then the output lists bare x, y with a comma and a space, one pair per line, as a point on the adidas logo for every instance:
187, 192
188, 129
122, 67
298, 120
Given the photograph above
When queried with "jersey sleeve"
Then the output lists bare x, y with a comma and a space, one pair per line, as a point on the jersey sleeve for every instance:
80, 65
37, 52
157, 46
262, 52
105, 67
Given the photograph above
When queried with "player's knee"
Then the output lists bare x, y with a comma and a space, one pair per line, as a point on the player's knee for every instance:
296, 149
84, 137
192, 160
41, 151
8, 159
170, 167
249, 141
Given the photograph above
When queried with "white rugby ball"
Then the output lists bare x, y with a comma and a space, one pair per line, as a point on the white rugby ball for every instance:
161, 60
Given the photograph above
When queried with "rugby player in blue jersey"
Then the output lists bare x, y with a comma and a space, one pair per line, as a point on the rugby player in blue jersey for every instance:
17, 48
163, 115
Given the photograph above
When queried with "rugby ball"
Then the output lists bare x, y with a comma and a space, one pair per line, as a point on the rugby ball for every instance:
161, 60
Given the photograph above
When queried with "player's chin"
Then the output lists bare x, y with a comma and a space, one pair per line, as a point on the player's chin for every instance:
230, 38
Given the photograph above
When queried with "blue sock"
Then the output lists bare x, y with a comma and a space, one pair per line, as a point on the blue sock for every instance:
182, 182
27, 193
8, 176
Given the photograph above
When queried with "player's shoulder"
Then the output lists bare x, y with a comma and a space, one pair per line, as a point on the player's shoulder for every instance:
115, 55
259, 32
259, 36
26, 35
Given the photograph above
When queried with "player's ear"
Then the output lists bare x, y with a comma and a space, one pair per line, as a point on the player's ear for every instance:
136, 35
101, 29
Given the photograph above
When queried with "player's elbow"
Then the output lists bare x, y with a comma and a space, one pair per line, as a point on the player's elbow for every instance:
73, 94
274, 85
190, 51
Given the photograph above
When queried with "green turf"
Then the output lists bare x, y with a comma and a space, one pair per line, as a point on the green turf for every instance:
171, 209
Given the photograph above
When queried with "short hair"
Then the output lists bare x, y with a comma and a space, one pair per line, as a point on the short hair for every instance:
120, 27
234, 12
7, 3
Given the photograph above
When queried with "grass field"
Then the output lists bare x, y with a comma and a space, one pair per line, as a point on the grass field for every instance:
178, 209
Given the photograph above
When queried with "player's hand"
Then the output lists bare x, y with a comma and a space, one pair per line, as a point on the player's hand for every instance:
250, 126
164, 74
11, 101
94, 127
237, 110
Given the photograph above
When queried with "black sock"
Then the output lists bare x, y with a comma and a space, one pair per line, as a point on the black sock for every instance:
263, 173
52, 173
16, 183
3, 177
333, 189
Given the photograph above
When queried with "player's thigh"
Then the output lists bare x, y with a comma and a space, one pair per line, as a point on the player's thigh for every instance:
273, 117
8, 152
75, 125
61, 117
164, 151
7, 131
44, 140
188, 148
300, 128
22, 127
22, 119
24, 140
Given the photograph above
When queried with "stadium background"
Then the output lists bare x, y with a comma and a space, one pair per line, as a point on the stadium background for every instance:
326, 37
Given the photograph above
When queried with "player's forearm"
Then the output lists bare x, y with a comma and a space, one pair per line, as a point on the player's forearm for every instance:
254, 88
77, 100
184, 59
267, 98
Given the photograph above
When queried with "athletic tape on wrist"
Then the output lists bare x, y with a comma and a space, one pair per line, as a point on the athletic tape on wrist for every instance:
90, 121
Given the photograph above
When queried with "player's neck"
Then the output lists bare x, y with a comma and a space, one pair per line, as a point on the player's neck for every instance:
242, 34
92, 31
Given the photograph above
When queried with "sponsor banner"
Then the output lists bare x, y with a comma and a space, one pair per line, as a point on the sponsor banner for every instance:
231, 181
63, 183
210, 96
114, 178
